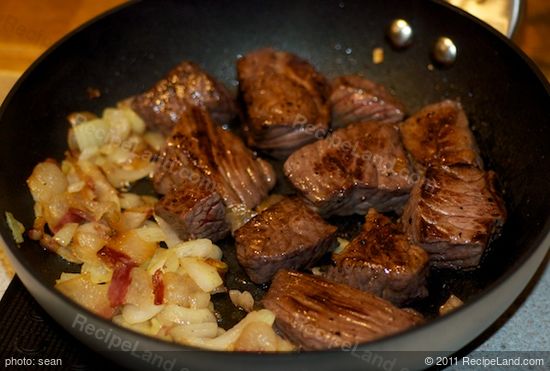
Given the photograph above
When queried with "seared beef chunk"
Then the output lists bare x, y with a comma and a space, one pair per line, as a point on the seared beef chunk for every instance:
453, 213
285, 100
382, 261
286, 235
214, 159
194, 212
356, 168
318, 314
439, 134
187, 85
356, 99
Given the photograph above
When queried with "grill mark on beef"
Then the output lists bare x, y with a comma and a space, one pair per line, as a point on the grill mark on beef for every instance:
439, 134
356, 99
216, 159
319, 314
455, 212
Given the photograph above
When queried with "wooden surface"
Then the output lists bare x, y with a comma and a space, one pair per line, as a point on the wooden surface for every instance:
533, 35
29, 27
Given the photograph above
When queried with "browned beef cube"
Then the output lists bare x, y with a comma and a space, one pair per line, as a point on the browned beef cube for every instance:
356, 168
185, 86
209, 157
319, 314
356, 99
453, 213
439, 135
194, 212
285, 101
382, 261
286, 235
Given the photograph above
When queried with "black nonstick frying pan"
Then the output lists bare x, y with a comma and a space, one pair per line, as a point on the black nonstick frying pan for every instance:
125, 51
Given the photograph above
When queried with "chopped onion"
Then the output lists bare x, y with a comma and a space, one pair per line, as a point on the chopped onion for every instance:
151, 233
137, 124
242, 300
131, 220
154, 139
65, 277
184, 316
316, 271
120, 155
451, 304
88, 239
76, 186
199, 300
83, 291
140, 290
55, 210
257, 337
202, 248
181, 333
102, 188
172, 239
131, 244
129, 200
99, 272
342, 244
46, 181
151, 327
91, 134
64, 236
119, 124
16, 227
228, 338
134, 314
88, 153
157, 260
204, 275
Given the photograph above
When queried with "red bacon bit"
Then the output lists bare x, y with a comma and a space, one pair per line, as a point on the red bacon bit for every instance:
121, 280
158, 287
119, 284
72, 216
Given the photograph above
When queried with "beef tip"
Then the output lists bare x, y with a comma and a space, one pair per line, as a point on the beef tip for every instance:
382, 261
319, 314
286, 235
357, 167
194, 212
356, 99
187, 85
214, 159
439, 134
453, 213
285, 100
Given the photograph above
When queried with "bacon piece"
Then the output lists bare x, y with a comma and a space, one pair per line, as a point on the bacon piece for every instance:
158, 287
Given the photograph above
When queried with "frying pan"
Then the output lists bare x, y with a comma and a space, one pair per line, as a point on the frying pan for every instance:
126, 50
